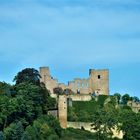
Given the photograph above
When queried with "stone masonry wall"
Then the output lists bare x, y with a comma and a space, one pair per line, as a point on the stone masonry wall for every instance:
80, 97
62, 110
98, 82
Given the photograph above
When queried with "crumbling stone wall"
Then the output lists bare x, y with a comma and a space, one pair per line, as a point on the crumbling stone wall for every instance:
48, 80
80, 97
134, 105
97, 82
80, 86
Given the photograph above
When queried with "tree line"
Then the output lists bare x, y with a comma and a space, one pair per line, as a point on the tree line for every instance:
24, 107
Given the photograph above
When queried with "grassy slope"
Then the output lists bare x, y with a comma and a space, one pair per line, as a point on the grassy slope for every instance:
83, 111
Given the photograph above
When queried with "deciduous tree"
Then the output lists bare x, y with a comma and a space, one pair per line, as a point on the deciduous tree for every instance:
30, 75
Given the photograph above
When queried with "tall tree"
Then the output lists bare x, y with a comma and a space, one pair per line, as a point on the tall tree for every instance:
30, 75
104, 120
130, 124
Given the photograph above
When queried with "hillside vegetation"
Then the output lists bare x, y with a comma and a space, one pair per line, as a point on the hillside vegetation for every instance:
107, 112
84, 111
24, 113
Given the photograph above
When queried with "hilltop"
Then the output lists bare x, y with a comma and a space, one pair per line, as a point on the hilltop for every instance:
24, 109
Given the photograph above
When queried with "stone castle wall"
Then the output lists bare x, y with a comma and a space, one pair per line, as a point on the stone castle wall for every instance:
62, 114
80, 125
97, 82
62, 110
134, 105
82, 97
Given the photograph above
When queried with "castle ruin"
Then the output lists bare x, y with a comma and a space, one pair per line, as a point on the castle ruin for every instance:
97, 82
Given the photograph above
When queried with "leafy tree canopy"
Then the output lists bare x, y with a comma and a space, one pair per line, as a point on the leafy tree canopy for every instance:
5, 88
30, 75
125, 99
58, 90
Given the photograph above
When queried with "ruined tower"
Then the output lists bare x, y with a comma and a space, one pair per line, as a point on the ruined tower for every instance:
45, 74
62, 110
99, 81
48, 80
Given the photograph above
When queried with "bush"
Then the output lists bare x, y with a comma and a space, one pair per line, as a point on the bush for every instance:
58, 90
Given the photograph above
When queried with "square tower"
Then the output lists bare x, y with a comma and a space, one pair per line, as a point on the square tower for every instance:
44, 73
99, 81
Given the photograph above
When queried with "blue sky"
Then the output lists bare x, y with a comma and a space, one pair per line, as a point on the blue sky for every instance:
72, 36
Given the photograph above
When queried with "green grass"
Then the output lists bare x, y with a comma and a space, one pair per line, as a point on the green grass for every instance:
84, 110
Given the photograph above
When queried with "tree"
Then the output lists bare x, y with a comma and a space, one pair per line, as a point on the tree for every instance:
118, 96
2, 136
44, 128
29, 75
58, 90
30, 134
68, 91
5, 88
130, 124
14, 131
136, 99
28, 101
104, 120
125, 99
35, 99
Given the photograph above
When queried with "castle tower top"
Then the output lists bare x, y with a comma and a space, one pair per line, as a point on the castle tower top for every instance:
44, 71
99, 81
